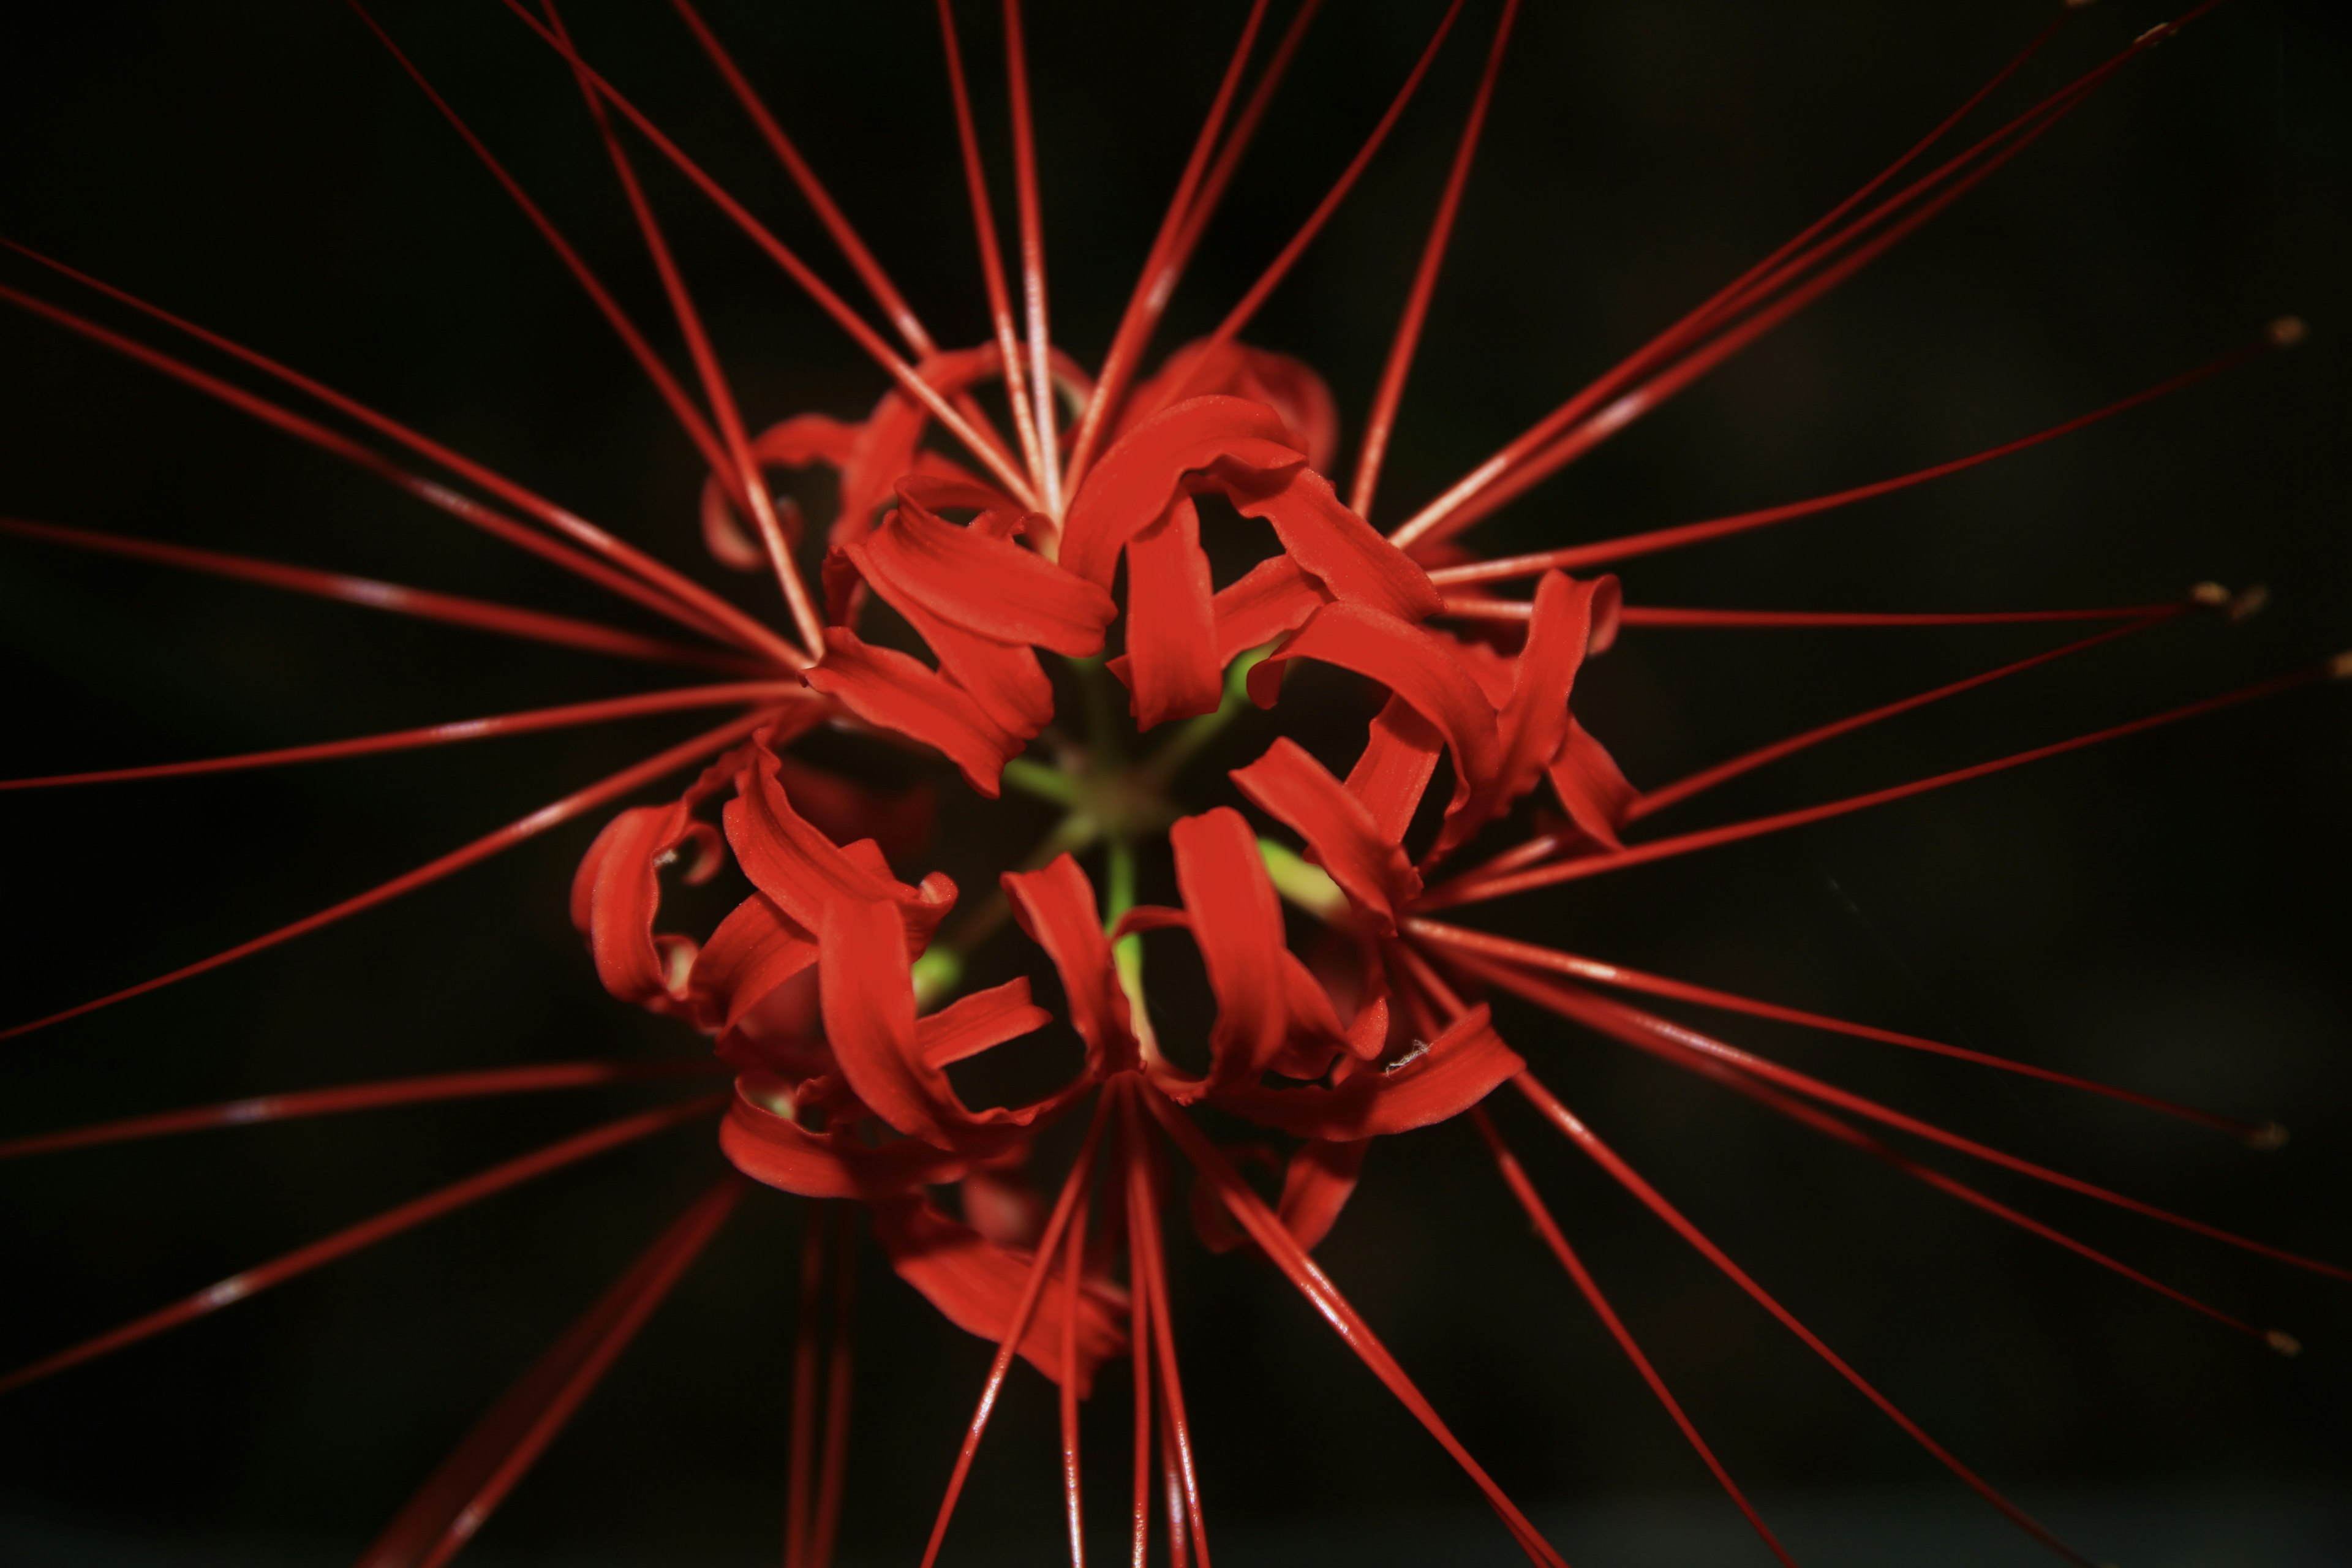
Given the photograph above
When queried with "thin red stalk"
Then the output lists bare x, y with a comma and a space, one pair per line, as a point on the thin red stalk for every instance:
1585, 1139
1552, 440
1577, 557
861, 261
643, 578
689, 419
1154, 283
1540, 1215
1031, 1289
351, 1239
1382, 418
992, 258
1032, 258
807, 1331
454, 1504
1457, 939
749, 486
766, 693
1136, 1192
300, 1103
462, 508
1462, 890
1652, 801
482, 849
1188, 1533
1073, 1265
1478, 608
989, 453
839, 1370
1236, 144
1279, 268
1622, 1021
1268, 1231
507, 620
1854, 1137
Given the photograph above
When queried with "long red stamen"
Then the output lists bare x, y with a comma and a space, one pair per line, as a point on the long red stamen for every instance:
1134, 1182
304, 1102
1463, 890
1074, 1266
689, 419
1638, 1028
507, 620
1581, 557
853, 249
1279, 268
1155, 284
807, 1337
767, 693
1267, 1230
840, 1368
2261, 1135
1606, 407
991, 259
1585, 1139
452, 1506
748, 485
1540, 1215
1846, 1133
1188, 1535
351, 1239
552, 815
1235, 144
1032, 1290
1382, 418
989, 453
643, 579
1652, 801
1032, 256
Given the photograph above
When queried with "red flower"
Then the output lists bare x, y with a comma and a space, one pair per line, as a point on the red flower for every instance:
831, 990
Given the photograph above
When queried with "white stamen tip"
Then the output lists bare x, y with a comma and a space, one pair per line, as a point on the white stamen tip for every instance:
2340, 666
2078, 4
2287, 331
2212, 595
2249, 603
2156, 35
2286, 1345
2270, 1135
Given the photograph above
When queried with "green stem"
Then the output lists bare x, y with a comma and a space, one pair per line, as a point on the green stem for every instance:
1194, 733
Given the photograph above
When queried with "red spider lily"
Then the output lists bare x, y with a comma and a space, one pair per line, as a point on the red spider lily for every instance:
962, 573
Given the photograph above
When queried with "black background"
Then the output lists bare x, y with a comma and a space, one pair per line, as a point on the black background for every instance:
2169, 912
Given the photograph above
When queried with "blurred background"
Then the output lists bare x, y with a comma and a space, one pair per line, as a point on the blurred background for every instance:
2167, 912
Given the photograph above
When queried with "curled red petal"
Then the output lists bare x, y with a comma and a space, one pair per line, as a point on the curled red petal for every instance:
868, 993
803, 871
970, 1025
900, 693
983, 583
1418, 666
1288, 387
1342, 836
754, 950
616, 892
1269, 599
803, 440
1172, 666
1236, 923
977, 1284
1340, 550
1131, 487
1457, 1070
1057, 909
1592, 787
774, 1149
1400, 753
1533, 725
1004, 682
888, 442
1316, 1185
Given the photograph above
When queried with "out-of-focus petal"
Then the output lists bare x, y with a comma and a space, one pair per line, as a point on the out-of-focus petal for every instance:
755, 949
803, 871
1288, 387
977, 1284
1316, 1185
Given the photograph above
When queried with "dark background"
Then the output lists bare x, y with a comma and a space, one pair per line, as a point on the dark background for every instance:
2169, 912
